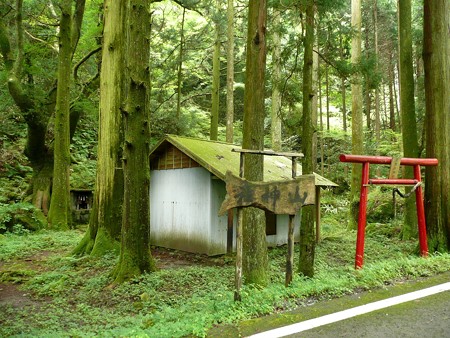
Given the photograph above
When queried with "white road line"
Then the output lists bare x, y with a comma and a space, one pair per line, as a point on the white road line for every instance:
353, 312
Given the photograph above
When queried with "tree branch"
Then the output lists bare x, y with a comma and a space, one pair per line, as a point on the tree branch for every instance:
40, 40
328, 62
83, 60
77, 21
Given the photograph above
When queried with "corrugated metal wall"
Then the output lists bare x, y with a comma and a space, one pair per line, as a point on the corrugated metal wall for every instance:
180, 209
184, 206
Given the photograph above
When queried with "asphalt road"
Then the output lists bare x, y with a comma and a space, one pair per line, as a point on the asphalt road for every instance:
425, 317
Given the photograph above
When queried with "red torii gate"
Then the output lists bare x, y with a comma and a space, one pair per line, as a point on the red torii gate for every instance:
392, 180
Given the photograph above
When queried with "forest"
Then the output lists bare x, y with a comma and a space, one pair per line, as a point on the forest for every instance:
89, 89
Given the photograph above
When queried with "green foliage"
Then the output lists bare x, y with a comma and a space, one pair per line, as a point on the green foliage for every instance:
20, 218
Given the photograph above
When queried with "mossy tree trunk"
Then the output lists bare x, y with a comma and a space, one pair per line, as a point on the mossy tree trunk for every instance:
307, 233
255, 260
357, 114
215, 79
59, 215
407, 109
135, 256
35, 108
276, 81
105, 221
437, 98
180, 65
230, 71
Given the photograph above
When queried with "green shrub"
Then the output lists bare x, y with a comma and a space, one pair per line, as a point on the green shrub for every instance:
21, 218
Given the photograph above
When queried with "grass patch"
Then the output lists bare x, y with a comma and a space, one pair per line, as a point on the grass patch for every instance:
71, 296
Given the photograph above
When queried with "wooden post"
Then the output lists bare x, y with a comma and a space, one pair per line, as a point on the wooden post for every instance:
239, 240
290, 251
238, 274
317, 214
230, 231
421, 215
359, 257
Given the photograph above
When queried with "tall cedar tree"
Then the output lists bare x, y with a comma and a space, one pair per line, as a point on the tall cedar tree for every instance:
216, 78
255, 260
35, 108
357, 117
59, 213
230, 71
436, 53
135, 255
276, 81
307, 237
407, 109
105, 221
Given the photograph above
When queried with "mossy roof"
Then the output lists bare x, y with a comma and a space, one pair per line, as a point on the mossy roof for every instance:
218, 158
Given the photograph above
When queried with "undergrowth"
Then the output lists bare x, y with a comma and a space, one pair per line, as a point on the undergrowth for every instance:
72, 297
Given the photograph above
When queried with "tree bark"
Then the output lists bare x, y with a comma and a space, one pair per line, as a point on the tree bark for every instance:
135, 255
307, 234
230, 71
437, 98
276, 80
392, 123
35, 108
215, 81
105, 221
343, 91
407, 109
357, 120
59, 216
180, 65
255, 260
377, 88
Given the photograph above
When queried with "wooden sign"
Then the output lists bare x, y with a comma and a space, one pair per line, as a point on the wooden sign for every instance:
279, 197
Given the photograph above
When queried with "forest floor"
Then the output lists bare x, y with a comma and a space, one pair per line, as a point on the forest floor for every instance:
44, 291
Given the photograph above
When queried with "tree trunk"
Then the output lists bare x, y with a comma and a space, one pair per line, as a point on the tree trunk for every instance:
344, 105
230, 71
437, 98
367, 97
357, 120
255, 260
59, 216
276, 80
307, 234
391, 93
105, 220
407, 109
135, 255
377, 88
215, 81
35, 108
180, 65
327, 92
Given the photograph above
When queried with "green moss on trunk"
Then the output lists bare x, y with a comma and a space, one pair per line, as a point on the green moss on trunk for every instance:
357, 114
59, 216
135, 256
255, 259
307, 228
437, 97
106, 214
407, 109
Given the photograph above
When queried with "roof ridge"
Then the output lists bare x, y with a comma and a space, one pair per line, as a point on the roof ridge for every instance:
202, 139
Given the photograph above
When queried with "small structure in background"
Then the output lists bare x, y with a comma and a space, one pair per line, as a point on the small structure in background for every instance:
187, 188
81, 204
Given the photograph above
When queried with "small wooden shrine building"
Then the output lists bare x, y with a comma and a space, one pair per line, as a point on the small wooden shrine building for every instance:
187, 189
